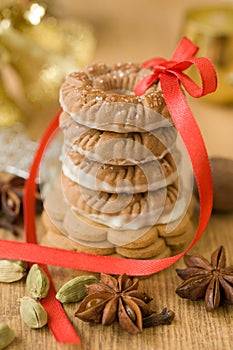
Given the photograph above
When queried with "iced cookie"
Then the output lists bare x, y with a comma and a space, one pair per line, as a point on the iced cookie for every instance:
114, 178
102, 97
124, 149
124, 210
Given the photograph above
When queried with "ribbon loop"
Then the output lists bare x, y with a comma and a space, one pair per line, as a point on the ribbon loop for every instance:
181, 60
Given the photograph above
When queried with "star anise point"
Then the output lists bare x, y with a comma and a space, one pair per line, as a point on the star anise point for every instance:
212, 281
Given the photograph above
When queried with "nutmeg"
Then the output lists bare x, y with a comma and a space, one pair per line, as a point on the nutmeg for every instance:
222, 173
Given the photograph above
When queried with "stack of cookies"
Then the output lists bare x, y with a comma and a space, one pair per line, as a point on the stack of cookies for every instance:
121, 190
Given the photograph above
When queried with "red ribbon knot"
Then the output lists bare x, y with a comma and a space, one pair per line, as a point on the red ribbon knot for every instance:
182, 59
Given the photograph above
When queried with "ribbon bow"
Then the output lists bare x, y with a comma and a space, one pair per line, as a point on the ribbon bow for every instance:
172, 71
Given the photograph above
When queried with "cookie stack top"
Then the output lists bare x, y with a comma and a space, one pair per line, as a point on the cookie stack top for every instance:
120, 159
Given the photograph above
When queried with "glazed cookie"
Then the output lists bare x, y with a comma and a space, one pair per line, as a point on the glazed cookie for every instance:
102, 97
76, 232
124, 149
80, 228
145, 236
114, 178
87, 140
124, 211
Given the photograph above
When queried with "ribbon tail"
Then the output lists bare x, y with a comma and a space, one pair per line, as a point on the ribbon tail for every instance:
57, 320
58, 323
190, 133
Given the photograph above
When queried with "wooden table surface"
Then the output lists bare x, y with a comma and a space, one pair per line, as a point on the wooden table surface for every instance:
125, 31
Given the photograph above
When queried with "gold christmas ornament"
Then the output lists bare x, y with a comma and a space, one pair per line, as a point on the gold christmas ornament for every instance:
41, 48
211, 28
10, 113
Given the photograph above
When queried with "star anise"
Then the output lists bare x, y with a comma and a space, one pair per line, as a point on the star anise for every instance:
212, 281
113, 299
11, 196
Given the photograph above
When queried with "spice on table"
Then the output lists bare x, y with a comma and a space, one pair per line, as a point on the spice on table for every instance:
116, 299
37, 282
12, 270
165, 317
210, 280
75, 289
11, 197
33, 313
7, 335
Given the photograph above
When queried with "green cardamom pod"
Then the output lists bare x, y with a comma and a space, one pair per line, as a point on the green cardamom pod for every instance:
33, 313
37, 282
24, 264
7, 335
11, 271
75, 289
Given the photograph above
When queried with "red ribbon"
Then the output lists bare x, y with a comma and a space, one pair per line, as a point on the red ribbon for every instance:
170, 74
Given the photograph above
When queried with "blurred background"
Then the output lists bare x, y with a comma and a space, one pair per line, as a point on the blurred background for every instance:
42, 41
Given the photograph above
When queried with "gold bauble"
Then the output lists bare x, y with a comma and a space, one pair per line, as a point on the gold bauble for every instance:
10, 113
43, 49
211, 28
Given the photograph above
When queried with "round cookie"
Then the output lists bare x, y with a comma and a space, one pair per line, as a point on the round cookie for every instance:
119, 148
124, 149
102, 97
80, 228
164, 254
55, 205
50, 223
121, 211
147, 252
114, 178
180, 233
58, 240
133, 239
176, 228
183, 238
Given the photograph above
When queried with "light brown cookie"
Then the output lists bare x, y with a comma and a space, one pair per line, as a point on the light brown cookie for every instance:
164, 254
58, 240
175, 228
147, 235
133, 239
123, 149
79, 228
121, 179
55, 205
183, 238
147, 252
118, 210
102, 97
49, 223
